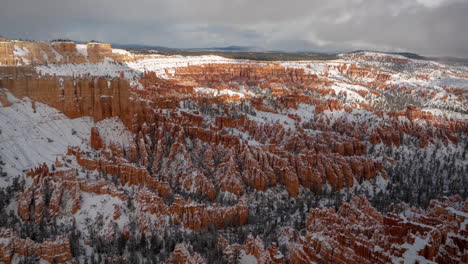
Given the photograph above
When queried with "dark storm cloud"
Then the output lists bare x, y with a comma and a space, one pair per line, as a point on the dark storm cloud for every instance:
432, 27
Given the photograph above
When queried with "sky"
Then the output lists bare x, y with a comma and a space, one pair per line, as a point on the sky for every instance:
427, 27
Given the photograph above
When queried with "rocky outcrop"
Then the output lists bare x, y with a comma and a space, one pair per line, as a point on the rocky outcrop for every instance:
39, 53
96, 140
32, 204
97, 97
207, 137
126, 172
181, 255
189, 214
357, 233
198, 216
253, 247
53, 251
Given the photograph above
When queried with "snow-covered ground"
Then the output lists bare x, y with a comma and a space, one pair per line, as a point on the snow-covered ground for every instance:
28, 137
215, 92
82, 49
159, 64
163, 66
106, 68
31, 137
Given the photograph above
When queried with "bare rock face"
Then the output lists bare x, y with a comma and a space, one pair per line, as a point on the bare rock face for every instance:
126, 172
198, 216
96, 97
55, 200
6, 53
24, 203
31, 202
57, 250
196, 181
229, 177
61, 52
189, 214
253, 247
207, 137
4, 100
98, 51
117, 212
96, 140
357, 233
182, 255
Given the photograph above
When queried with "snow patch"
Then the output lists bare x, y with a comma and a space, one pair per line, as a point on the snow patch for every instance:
247, 259
20, 51
121, 52
215, 92
57, 55
30, 137
82, 49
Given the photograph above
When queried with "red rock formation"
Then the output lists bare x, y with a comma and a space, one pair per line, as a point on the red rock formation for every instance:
289, 129
198, 216
196, 182
228, 176
24, 203
76, 97
35, 53
96, 140
357, 233
58, 182
55, 200
126, 172
57, 250
253, 247
117, 212
191, 215
181, 255
4, 99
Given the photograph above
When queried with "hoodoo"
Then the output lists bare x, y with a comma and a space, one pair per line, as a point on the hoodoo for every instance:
117, 156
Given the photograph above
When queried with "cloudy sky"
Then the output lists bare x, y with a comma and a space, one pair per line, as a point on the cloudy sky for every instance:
428, 27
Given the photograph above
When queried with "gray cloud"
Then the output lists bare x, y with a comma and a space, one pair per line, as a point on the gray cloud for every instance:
430, 27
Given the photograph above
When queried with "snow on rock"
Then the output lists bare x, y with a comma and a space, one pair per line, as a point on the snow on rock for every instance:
247, 259
121, 52
31, 136
82, 49
20, 51
181, 255
112, 130
48, 251
106, 68
158, 64
57, 55
214, 92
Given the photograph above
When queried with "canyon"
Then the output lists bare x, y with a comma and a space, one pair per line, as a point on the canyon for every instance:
113, 155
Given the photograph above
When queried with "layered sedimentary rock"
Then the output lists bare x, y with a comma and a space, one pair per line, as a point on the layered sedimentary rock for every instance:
334, 160
14, 53
126, 172
253, 247
97, 97
53, 251
205, 137
189, 214
358, 233
58, 183
182, 255
96, 140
